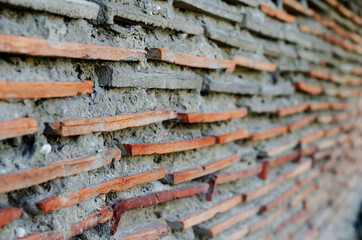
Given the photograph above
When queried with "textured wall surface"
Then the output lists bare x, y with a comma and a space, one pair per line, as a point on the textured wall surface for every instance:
179, 119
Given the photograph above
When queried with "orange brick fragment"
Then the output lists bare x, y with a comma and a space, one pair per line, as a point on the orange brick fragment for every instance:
307, 88
192, 173
283, 16
319, 106
239, 234
267, 219
263, 190
281, 112
303, 167
256, 65
319, 74
280, 198
309, 30
189, 60
243, 62
151, 231
212, 117
9, 214
40, 47
301, 123
232, 136
270, 133
33, 90
283, 159
66, 200
312, 137
168, 147
325, 22
297, 7
18, 127
108, 124
33, 176
265, 66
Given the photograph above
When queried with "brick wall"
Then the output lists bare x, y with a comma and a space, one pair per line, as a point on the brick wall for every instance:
178, 119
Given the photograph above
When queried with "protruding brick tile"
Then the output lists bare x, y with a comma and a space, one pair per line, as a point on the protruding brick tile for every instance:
281, 112
290, 221
270, 133
265, 66
301, 168
123, 205
282, 16
33, 176
249, 196
307, 88
33, 90
297, 7
189, 60
301, 123
301, 196
267, 220
107, 124
280, 198
40, 47
206, 214
192, 173
66, 200
91, 221
212, 117
284, 159
18, 127
309, 30
227, 223
319, 74
257, 65
232, 136
312, 137
238, 234
319, 106
9, 214
151, 231
168, 147
221, 178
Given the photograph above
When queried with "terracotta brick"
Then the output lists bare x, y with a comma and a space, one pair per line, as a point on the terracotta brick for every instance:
189, 60
325, 22
301, 123
357, 70
307, 88
301, 196
168, 147
33, 90
192, 173
256, 65
208, 213
332, 131
290, 221
123, 205
270, 133
309, 30
319, 74
297, 7
18, 127
238, 234
40, 47
329, 165
279, 199
213, 116
309, 178
327, 144
151, 231
265, 66
9, 214
232, 136
308, 150
284, 159
332, 39
279, 149
281, 112
229, 222
249, 196
33, 176
118, 184
267, 219
325, 119
243, 62
340, 117
319, 106
221, 178
283, 16
303, 167
107, 124
312, 137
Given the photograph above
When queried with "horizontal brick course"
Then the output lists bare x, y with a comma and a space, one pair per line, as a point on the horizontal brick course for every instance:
18, 127
297, 7
270, 133
151, 231
301, 123
256, 65
212, 117
281, 112
232, 136
307, 88
283, 16
9, 214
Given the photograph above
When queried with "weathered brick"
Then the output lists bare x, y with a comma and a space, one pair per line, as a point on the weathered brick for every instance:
270, 133
301, 123
239, 233
189, 60
232, 136
319, 106
309, 30
319, 74
118, 184
267, 220
285, 158
18, 127
150, 231
265, 66
206, 214
301, 196
33, 176
281, 112
325, 22
278, 149
40, 47
168, 147
307, 88
306, 151
297, 7
332, 131
107, 124
256, 65
33, 90
273, 12
249, 196
303, 167
279, 199
290, 221
213, 116
123, 205
9, 214
192, 173
311, 137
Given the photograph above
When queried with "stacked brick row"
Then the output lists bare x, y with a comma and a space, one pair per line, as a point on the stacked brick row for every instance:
235, 119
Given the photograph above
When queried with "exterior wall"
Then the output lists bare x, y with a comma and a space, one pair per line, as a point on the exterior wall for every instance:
178, 119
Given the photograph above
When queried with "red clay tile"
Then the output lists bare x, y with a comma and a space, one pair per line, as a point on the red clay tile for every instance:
319, 74
232, 136
312, 137
248, 196
270, 133
168, 147
212, 117
297, 7
281, 112
301, 123
18, 127
151, 231
307, 88
33, 176
33, 90
243, 62
118, 184
279, 199
285, 158
273, 12
325, 22
308, 150
267, 220
256, 65
192, 173
319, 106
238, 234
9, 214
123, 205
309, 30
332, 131
40, 47
265, 66
279, 149
107, 124
301, 168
